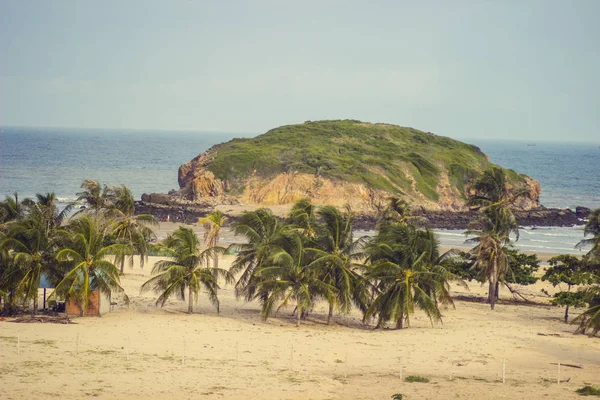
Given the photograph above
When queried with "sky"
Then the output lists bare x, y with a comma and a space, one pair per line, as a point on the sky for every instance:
511, 69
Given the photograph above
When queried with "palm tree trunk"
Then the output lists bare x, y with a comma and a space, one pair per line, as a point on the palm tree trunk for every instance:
497, 291
400, 322
190, 301
493, 278
492, 294
567, 314
216, 261
35, 304
298, 316
330, 313
122, 265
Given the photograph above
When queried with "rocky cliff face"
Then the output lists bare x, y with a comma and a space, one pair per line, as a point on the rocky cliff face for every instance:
198, 185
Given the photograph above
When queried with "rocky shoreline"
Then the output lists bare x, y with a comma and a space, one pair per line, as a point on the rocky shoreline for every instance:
543, 217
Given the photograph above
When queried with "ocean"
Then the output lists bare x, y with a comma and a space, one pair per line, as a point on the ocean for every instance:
38, 160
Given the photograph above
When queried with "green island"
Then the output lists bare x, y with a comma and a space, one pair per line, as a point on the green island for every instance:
381, 156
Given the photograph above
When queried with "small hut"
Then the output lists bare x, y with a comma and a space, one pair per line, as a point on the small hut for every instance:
99, 304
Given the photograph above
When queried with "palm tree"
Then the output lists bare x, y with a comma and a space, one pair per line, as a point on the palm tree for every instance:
87, 257
12, 209
32, 242
263, 233
129, 229
93, 195
406, 273
28, 244
590, 319
496, 222
119, 198
592, 228
213, 222
492, 261
185, 269
302, 217
397, 210
337, 256
287, 276
9, 276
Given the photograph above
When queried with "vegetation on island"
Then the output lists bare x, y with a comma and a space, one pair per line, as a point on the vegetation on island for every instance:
309, 257
381, 156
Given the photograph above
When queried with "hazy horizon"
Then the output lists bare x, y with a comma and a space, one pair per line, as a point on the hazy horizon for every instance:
250, 135
469, 70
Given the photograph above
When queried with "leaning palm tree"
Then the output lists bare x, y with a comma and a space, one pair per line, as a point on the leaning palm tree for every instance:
186, 267
263, 234
87, 257
132, 230
337, 257
288, 276
212, 223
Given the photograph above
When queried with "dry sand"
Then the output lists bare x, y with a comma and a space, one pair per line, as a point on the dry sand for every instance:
140, 351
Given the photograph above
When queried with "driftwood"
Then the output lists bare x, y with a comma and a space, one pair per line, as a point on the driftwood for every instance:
41, 319
516, 293
568, 365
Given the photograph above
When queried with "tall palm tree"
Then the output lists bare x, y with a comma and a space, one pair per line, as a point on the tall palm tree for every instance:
87, 256
212, 223
263, 233
287, 276
186, 267
492, 261
492, 196
337, 259
129, 229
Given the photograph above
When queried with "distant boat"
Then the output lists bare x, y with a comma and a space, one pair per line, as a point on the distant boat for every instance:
530, 144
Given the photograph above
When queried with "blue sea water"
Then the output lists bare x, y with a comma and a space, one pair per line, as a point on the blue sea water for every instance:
569, 173
36, 160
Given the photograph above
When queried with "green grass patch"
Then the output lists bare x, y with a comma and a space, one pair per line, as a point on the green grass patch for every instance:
416, 378
589, 390
45, 342
10, 339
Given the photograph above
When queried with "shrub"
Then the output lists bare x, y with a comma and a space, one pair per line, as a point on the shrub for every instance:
589, 391
416, 378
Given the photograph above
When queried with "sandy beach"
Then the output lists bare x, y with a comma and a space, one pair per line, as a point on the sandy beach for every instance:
141, 351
